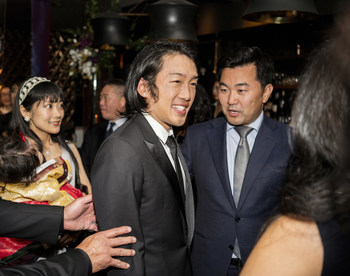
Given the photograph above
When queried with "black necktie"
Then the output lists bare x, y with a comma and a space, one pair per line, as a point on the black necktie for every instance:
110, 130
172, 144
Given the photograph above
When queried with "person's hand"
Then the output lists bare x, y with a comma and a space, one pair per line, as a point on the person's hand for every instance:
101, 247
68, 238
80, 215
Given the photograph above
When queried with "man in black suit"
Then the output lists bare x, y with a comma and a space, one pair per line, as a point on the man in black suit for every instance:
112, 104
136, 181
44, 223
233, 201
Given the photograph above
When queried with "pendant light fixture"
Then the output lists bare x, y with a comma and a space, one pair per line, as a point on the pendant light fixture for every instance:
280, 11
172, 19
111, 27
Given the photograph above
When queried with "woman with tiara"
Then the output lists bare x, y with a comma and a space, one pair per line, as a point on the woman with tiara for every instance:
37, 117
38, 114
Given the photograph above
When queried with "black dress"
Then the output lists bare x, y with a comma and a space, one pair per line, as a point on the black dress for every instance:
4, 123
336, 243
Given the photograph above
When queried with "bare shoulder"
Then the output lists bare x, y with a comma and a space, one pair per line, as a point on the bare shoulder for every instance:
288, 247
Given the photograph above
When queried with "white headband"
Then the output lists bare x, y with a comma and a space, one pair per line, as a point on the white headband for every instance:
28, 85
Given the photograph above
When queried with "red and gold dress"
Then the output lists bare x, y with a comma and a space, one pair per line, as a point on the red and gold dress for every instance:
51, 187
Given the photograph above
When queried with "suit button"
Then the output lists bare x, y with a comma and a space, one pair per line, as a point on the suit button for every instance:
230, 246
237, 219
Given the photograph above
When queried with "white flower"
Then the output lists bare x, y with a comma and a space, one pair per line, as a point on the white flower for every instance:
81, 62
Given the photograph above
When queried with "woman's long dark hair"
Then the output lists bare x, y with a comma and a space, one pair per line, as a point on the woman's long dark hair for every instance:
318, 185
40, 92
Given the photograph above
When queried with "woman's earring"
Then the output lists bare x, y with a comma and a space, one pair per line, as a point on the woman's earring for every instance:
26, 119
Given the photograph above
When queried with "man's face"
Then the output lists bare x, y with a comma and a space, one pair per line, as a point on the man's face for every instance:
241, 95
5, 96
176, 89
112, 102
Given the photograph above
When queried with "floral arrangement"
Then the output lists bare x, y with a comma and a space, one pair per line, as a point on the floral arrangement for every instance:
87, 60
83, 59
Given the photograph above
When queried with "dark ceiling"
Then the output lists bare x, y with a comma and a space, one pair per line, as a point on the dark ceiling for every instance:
213, 15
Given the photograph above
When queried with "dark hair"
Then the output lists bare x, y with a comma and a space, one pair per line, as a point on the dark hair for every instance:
116, 82
320, 118
147, 64
40, 92
201, 107
18, 81
18, 160
249, 55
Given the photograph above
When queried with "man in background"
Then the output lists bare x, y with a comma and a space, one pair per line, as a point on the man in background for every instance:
112, 104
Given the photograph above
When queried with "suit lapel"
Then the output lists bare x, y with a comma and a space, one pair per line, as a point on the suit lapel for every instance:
217, 145
263, 146
157, 151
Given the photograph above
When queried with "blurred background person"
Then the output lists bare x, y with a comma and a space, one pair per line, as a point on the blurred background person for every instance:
311, 236
6, 118
216, 106
5, 100
112, 105
199, 112
5, 110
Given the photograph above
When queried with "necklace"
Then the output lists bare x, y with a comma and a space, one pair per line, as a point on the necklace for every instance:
47, 152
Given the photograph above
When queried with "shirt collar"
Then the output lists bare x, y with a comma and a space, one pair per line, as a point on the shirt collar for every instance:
160, 131
255, 125
118, 122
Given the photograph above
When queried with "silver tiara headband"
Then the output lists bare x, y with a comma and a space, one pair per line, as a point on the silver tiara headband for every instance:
28, 85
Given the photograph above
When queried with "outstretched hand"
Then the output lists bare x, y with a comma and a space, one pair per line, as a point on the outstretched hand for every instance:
80, 215
101, 247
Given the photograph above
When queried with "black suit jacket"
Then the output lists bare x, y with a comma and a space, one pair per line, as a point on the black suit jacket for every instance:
218, 220
74, 262
32, 222
93, 139
40, 223
134, 183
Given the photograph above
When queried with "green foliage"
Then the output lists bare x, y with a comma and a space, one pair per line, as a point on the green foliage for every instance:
115, 5
91, 10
